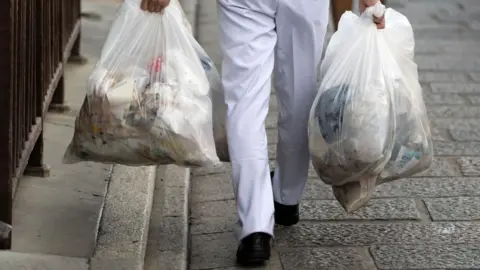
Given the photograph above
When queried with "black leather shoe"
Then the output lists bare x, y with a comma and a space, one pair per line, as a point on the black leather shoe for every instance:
286, 215
254, 249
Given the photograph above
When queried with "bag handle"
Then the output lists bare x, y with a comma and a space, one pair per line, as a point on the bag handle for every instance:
378, 10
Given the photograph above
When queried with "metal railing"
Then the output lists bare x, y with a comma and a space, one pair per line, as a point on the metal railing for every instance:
37, 38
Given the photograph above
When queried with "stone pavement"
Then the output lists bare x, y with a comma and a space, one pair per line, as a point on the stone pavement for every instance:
430, 221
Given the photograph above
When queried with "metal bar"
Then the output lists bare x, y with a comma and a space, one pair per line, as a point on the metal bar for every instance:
6, 146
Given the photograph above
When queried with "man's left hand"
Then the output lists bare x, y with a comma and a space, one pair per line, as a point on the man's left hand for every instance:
380, 22
154, 5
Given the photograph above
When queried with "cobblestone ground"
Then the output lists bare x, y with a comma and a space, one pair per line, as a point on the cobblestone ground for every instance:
429, 221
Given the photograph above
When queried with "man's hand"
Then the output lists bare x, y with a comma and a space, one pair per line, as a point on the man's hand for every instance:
154, 5
380, 22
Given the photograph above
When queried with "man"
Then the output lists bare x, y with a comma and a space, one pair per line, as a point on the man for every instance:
258, 37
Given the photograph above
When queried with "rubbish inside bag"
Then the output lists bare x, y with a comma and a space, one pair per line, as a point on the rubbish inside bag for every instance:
344, 123
329, 112
411, 152
368, 124
148, 104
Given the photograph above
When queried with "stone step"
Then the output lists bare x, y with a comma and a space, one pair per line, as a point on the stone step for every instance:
168, 236
123, 231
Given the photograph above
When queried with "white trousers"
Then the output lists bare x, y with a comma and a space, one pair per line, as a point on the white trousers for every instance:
258, 37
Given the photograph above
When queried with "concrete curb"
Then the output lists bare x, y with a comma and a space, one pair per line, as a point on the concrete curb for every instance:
168, 243
123, 231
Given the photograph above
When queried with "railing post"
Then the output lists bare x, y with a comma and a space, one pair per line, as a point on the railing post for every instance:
6, 155
75, 56
35, 166
58, 99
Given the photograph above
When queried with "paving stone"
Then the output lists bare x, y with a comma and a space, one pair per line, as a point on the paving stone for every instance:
473, 99
469, 166
226, 168
16, 260
444, 46
455, 87
272, 152
447, 62
467, 123
430, 187
213, 217
174, 201
376, 209
456, 148
454, 209
322, 259
168, 236
441, 167
431, 76
408, 188
426, 88
455, 33
272, 120
427, 257
439, 134
311, 172
220, 209
475, 76
273, 107
212, 187
273, 264
454, 111
165, 260
212, 251
443, 99
204, 225
272, 135
203, 171
308, 234
218, 251
448, 26
463, 134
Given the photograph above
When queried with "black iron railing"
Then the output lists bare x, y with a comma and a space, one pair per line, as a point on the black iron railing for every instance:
37, 37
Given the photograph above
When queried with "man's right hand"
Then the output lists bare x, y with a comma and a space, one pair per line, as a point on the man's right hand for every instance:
154, 5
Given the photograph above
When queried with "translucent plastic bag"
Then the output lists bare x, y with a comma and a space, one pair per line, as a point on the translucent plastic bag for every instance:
148, 99
218, 101
368, 124
5, 230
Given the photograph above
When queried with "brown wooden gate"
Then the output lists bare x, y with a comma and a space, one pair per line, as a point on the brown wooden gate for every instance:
37, 37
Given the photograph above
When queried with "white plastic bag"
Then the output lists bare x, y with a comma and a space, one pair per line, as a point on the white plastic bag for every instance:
5, 230
368, 124
219, 113
148, 99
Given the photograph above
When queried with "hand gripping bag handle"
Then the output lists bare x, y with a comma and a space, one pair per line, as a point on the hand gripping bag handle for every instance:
378, 10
